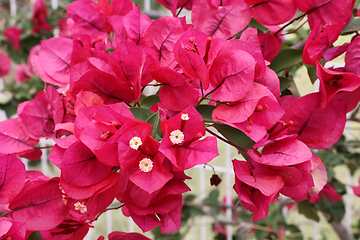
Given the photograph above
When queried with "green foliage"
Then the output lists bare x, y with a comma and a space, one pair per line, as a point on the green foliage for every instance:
286, 58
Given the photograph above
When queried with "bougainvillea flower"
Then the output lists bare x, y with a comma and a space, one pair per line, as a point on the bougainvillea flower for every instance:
135, 25
74, 227
256, 191
126, 236
12, 177
218, 22
317, 127
190, 51
332, 12
161, 36
10, 229
273, 12
320, 38
173, 5
40, 205
39, 17
23, 73
52, 61
270, 45
182, 143
35, 118
356, 189
160, 208
232, 74
13, 34
89, 17
66, 26
13, 139
176, 94
329, 192
332, 82
80, 167
138, 152
351, 60
335, 52
5, 64
286, 152
319, 174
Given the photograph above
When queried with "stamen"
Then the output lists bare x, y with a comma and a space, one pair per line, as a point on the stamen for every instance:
81, 207
106, 135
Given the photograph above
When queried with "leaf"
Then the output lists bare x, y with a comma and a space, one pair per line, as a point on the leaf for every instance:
147, 102
335, 209
141, 114
308, 210
284, 83
189, 198
255, 24
206, 112
287, 57
295, 232
233, 135
155, 121
213, 198
311, 72
35, 236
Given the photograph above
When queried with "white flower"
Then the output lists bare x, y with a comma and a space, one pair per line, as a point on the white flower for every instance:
81, 207
135, 143
185, 116
146, 165
176, 136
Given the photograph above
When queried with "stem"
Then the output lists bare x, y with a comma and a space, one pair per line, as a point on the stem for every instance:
108, 209
293, 20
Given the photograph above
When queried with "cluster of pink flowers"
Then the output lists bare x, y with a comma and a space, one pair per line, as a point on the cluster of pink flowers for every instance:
110, 52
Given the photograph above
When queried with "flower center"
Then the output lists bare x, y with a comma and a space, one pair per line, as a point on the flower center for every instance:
135, 143
176, 136
146, 165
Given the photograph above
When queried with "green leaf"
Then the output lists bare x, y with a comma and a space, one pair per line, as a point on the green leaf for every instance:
335, 209
233, 135
206, 111
196, 211
261, 235
295, 231
141, 114
353, 26
308, 210
311, 72
284, 83
189, 198
334, 159
35, 236
212, 199
110, 50
255, 24
155, 121
287, 57
147, 102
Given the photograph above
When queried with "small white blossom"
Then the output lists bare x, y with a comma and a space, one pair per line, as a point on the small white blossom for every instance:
185, 116
176, 136
81, 207
135, 143
146, 165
